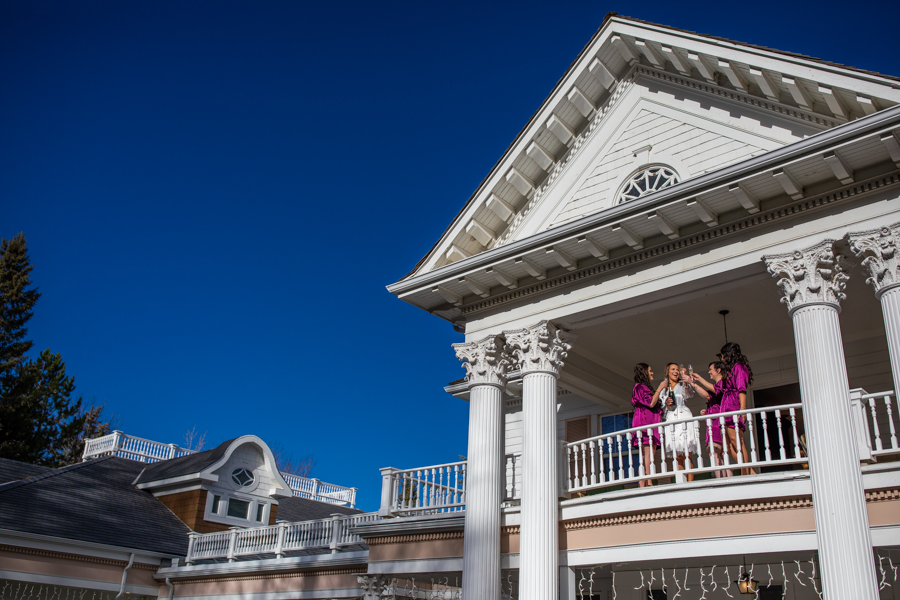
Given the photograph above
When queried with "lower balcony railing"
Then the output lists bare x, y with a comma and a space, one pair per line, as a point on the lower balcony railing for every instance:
332, 533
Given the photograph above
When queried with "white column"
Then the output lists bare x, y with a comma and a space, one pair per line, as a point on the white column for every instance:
539, 352
880, 251
813, 283
486, 365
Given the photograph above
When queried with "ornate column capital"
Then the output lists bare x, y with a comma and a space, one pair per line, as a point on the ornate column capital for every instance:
539, 348
485, 361
815, 275
879, 250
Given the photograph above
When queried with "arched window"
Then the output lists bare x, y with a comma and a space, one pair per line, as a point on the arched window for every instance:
646, 181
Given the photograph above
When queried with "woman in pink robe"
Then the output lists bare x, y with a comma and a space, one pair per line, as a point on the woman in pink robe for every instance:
712, 390
646, 412
738, 377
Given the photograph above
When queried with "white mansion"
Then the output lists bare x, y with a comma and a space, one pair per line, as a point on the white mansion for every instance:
673, 192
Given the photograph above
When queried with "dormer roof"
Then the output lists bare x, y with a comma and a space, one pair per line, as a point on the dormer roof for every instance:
202, 466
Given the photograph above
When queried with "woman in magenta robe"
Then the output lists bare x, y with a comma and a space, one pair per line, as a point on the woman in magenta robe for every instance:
646, 412
712, 390
738, 377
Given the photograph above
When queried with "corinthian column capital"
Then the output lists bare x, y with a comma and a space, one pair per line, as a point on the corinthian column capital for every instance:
879, 250
539, 348
485, 361
815, 275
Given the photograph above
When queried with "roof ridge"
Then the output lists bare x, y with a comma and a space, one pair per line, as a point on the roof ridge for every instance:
51, 473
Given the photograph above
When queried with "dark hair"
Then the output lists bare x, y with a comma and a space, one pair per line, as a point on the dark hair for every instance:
642, 373
718, 365
731, 355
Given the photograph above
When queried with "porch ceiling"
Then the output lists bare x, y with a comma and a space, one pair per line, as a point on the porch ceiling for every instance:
688, 329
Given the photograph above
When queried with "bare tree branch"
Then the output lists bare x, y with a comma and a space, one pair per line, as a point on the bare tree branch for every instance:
288, 464
193, 441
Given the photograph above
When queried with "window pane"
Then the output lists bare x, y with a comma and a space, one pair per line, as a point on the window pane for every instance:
259, 512
215, 505
238, 508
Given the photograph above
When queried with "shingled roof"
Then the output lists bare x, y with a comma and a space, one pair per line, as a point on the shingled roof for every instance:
13, 470
93, 501
303, 509
183, 465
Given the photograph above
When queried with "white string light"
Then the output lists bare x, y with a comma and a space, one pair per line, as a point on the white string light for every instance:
756, 596
785, 579
662, 576
686, 579
581, 585
675, 577
642, 581
812, 579
614, 585
798, 573
712, 578
591, 584
702, 587
727, 581
652, 579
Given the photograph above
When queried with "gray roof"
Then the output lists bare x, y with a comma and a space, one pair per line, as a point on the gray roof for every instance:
93, 501
303, 509
13, 470
183, 465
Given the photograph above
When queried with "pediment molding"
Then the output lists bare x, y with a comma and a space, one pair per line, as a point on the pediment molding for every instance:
799, 88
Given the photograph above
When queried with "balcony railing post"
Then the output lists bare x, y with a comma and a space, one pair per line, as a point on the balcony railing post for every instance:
117, 439
353, 497
861, 425
562, 470
191, 539
232, 542
315, 489
387, 492
336, 530
173, 451
279, 541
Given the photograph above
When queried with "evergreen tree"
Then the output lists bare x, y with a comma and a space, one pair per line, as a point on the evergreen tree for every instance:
40, 420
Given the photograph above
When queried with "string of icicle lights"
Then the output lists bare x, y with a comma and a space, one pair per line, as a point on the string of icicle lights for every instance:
791, 574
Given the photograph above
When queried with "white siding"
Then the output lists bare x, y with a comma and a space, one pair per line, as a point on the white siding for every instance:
697, 149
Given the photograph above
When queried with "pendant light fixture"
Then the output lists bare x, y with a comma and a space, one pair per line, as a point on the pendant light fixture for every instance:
745, 584
724, 314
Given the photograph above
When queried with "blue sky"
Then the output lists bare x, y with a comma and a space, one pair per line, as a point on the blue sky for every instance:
216, 193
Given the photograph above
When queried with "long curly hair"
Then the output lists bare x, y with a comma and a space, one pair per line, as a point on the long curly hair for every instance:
642, 373
731, 355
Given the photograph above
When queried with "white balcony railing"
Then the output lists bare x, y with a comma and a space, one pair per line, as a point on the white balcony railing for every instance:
424, 490
135, 448
617, 458
333, 533
512, 489
877, 417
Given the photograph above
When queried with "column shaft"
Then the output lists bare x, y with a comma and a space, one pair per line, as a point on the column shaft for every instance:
890, 307
839, 504
539, 546
481, 548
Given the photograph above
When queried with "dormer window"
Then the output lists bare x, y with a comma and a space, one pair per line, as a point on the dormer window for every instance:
242, 477
239, 509
646, 181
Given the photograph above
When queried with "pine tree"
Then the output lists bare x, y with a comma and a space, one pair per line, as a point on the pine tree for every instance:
40, 420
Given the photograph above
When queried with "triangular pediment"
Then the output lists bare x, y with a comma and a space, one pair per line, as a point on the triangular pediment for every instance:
642, 94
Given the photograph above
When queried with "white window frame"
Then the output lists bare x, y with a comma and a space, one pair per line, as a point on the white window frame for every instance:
222, 515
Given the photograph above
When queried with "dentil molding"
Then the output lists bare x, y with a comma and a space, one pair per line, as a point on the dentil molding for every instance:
816, 275
878, 249
539, 348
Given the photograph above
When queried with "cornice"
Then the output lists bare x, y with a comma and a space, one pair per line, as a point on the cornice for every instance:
78, 557
702, 237
419, 537
279, 576
688, 513
887, 118
402, 527
891, 494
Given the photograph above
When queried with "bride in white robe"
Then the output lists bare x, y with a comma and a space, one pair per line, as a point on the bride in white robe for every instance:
681, 438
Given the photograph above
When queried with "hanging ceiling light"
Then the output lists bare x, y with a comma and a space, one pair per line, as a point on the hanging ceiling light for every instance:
745, 584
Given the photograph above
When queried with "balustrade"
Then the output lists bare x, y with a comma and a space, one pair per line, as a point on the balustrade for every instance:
334, 533
617, 458
877, 417
424, 490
